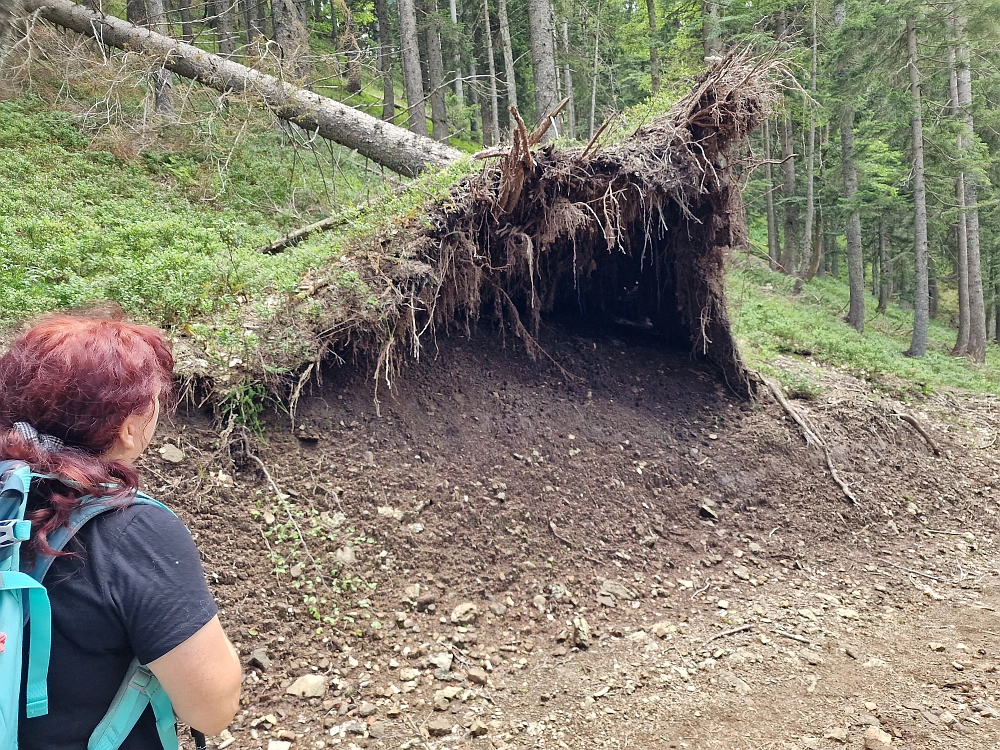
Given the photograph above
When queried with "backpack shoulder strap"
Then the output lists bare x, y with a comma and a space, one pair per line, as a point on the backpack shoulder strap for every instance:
139, 689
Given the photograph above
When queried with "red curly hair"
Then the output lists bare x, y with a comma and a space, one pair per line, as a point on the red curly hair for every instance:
78, 378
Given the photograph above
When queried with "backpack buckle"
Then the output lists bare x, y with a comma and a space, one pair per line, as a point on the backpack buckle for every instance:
14, 532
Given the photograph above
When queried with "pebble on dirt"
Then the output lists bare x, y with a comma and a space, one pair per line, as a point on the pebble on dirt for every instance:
465, 614
439, 727
171, 453
308, 686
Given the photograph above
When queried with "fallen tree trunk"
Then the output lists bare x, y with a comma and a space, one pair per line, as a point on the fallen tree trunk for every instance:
384, 143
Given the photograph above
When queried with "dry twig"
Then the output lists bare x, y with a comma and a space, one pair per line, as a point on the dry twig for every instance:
912, 421
726, 633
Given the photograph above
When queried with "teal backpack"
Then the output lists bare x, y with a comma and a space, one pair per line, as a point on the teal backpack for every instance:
24, 601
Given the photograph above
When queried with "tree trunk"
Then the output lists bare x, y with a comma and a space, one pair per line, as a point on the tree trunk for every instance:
187, 27
459, 77
385, 144
961, 347
885, 268
654, 49
568, 77
597, 60
711, 32
773, 244
290, 35
855, 256
223, 27
412, 73
491, 67
977, 304
807, 234
353, 51
385, 61
508, 53
921, 320
473, 94
789, 260
543, 60
435, 73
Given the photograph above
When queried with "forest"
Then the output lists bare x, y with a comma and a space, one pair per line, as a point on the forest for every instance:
875, 165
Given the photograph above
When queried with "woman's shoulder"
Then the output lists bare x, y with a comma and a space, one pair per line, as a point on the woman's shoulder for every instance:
139, 527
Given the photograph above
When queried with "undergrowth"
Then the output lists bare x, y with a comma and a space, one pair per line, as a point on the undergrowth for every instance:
772, 323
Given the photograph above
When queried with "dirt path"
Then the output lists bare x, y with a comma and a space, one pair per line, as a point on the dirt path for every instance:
436, 569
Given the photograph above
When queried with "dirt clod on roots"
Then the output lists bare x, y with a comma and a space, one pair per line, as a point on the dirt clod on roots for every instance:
637, 232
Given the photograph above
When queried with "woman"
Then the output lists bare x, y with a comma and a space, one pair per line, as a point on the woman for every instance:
80, 396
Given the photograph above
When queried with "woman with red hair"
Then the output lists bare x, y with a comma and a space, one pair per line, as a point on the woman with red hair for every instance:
80, 396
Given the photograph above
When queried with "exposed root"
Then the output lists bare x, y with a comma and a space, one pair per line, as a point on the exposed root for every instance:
811, 438
912, 421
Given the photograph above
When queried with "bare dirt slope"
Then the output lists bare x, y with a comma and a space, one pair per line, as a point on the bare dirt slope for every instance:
613, 552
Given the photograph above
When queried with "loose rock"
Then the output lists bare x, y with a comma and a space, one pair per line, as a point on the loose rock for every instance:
439, 727
308, 686
465, 614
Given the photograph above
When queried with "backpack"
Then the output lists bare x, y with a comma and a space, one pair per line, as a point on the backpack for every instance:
24, 602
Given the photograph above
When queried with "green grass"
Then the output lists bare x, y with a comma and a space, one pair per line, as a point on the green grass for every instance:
169, 235
772, 323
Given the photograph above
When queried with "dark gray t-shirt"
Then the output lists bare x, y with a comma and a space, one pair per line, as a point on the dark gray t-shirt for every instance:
135, 589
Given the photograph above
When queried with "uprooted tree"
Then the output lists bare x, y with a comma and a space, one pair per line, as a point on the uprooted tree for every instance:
638, 230
384, 143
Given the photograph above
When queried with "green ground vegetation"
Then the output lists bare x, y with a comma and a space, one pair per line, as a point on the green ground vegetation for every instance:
773, 323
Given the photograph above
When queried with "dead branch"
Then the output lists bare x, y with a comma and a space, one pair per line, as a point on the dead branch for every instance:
912, 421
726, 633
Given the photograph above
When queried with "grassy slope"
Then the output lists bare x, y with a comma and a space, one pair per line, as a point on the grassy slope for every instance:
771, 321
163, 234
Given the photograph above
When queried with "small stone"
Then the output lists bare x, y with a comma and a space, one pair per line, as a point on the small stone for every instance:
278, 745
811, 657
416, 528
425, 602
755, 548
346, 555
465, 614
581, 632
171, 453
606, 600
259, 659
847, 613
442, 661
439, 727
286, 734
947, 718
412, 592
368, 457
931, 718
935, 646
498, 609
377, 730
477, 676
838, 734
739, 685
356, 728
852, 652
406, 674
876, 739
478, 729
308, 686
540, 602
662, 629
295, 571
617, 590
367, 709
742, 572
958, 666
